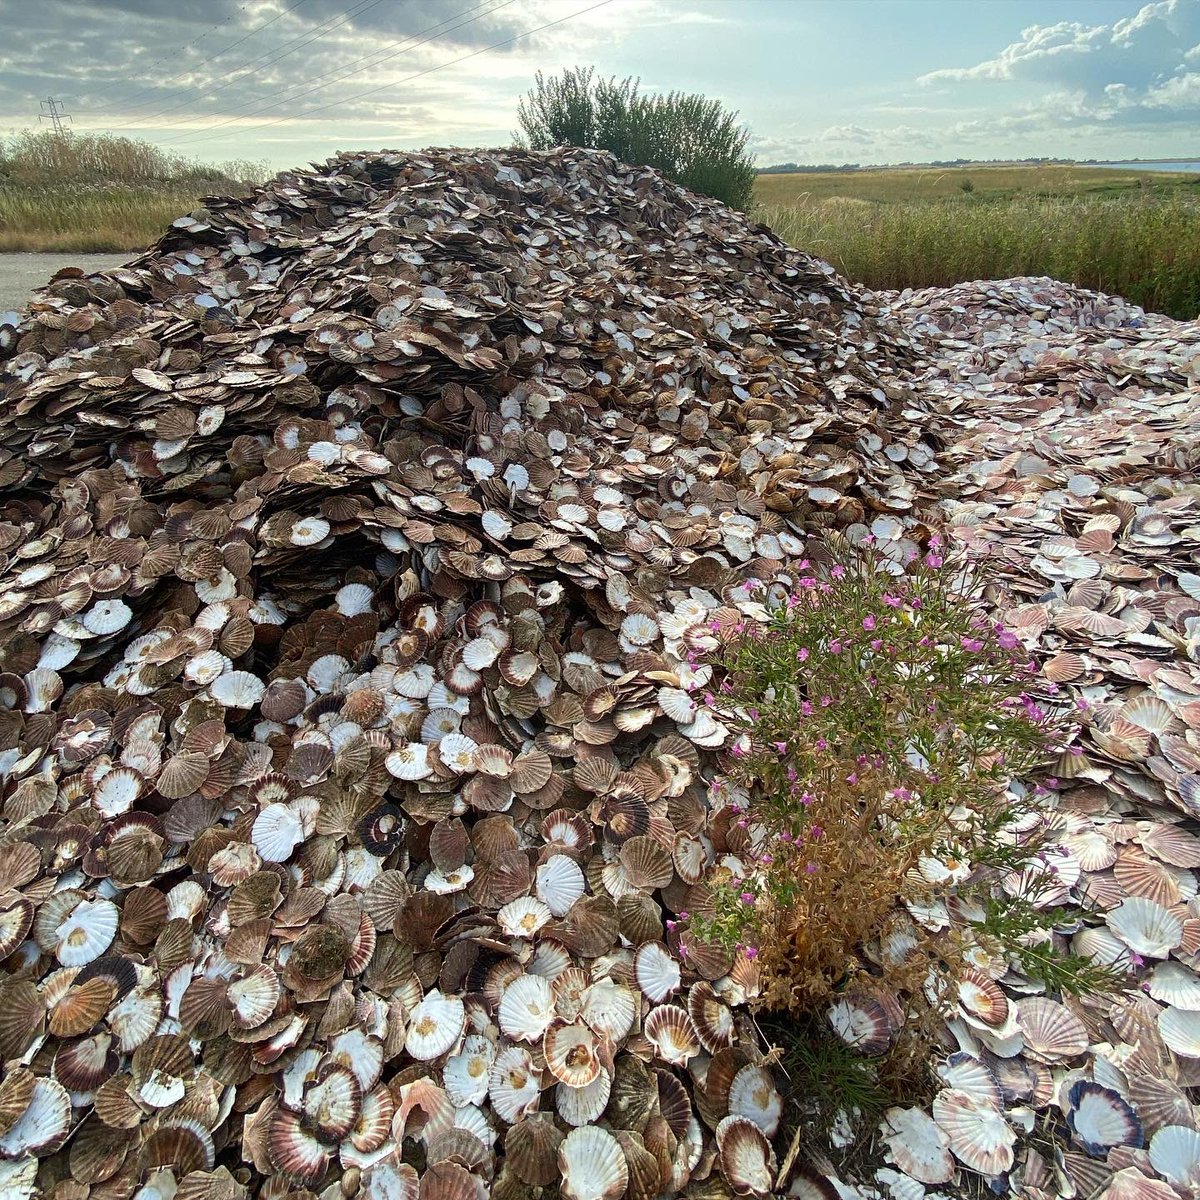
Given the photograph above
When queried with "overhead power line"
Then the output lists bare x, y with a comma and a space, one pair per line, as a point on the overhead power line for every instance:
175, 53
201, 136
339, 73
258, 100
237, 72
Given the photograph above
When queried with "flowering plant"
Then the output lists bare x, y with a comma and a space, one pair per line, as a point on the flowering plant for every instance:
879, 719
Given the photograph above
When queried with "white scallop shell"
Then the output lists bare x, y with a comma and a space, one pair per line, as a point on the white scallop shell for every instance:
513, 1084
457, 752
354, 599
309, 531
207, 666
753, 1094
670, 1031
435, 1025
592, 1165
526, 1008
918, 1146
87, 931
1173, 983
237, 689
409, 762
1180, 1029
107, 616
465, 1075
116, 792
559, 883
609, 1008
523, 917
1175, 1155
656, 971
978, 1135
43, 1124
1146, 928
276, 832
582, 1106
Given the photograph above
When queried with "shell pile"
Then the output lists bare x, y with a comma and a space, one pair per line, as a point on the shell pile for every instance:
358, 548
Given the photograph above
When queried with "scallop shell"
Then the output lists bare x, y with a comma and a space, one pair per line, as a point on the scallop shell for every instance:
43, 1125
672, 1034
1145, 927
711, 1017
581, 1106
1100, 1119
609, 1008
982, 999
1175, 1155
656, 971
531, 1148
526, 1008
977, 1133
559, 883
465, 1075
747, 1160
753, 1094
293, 1151
571, 1053
1051, 1031
1180, 1029
435, 1026
917, 1145
592, 1165
523, 917
513, 1084
237, 689
86, 932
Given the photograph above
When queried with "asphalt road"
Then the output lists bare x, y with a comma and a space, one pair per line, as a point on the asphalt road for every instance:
21, 273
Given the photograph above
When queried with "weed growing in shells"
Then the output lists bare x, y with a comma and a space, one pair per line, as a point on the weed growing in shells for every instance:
880, 720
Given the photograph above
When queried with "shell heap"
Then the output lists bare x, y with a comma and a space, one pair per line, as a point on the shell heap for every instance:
356, 543
355, 540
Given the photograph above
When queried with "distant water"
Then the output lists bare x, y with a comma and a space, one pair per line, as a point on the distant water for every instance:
1190, 165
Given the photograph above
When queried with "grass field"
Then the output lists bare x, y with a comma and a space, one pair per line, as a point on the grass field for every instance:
89, 192
1129, 232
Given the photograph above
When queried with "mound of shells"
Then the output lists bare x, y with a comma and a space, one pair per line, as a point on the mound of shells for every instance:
359, 548
358, 542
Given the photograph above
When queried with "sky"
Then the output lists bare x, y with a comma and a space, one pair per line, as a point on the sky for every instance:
868, 81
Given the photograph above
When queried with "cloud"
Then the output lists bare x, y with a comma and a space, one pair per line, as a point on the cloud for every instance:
1135, 73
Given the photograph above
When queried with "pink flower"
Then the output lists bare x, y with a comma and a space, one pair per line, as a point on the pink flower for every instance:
766, 860
1007, 639
791, 774
838, 572
852, 778
892, 601
751, 951
835, 647
806, 708
747, 897
807, 798
802, 654
780, 746
933, 560
868, 623
709, 698
826, 701
822, 744
876, 643
671, 925
815, 832
737, 751
936, 540
811, 868
974, 645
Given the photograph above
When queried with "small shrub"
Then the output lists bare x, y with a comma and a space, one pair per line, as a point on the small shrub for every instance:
879, 718
967, 186
693, 140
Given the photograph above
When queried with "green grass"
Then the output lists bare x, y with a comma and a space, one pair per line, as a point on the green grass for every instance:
1115, 231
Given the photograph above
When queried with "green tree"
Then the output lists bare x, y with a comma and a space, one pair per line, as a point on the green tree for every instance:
693, 140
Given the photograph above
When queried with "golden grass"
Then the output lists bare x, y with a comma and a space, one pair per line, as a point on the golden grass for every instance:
1115, 231
92, 219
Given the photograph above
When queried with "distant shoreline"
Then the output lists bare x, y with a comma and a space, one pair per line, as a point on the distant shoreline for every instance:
1132, 163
